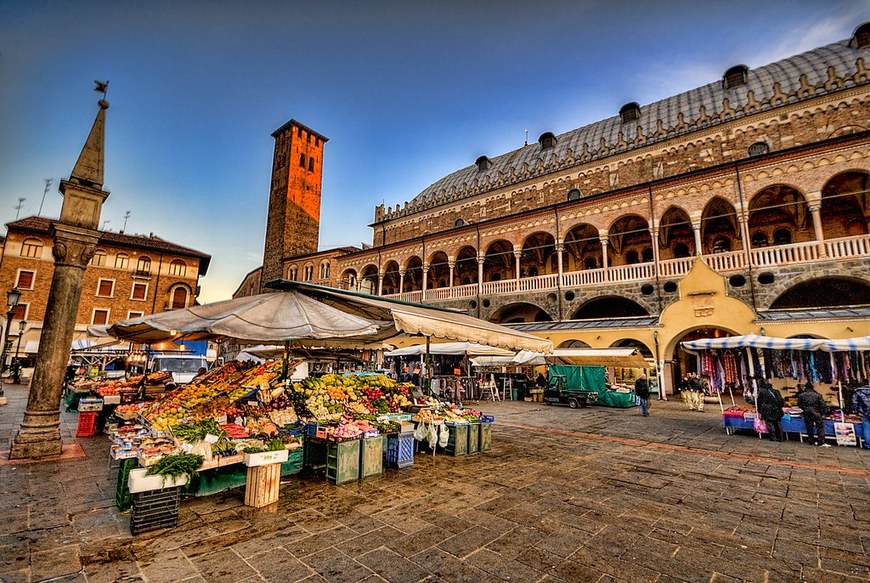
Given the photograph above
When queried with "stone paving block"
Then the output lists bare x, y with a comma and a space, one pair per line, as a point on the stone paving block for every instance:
466, 542
222, 566
59, 562
393, 567
167, 567
338, 567
278, 538
446, 567
279, 565
500, 567
365, 543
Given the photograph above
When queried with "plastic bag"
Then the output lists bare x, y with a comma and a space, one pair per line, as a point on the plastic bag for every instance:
759, 425
433, 436
444, 437
420, 432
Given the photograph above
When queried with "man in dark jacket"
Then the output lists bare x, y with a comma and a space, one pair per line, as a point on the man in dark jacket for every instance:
813, 407
641, 390
769, 403
861, 406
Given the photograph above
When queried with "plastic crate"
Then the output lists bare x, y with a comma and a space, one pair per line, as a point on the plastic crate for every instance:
485, 437
400, 450
123, 497
154, 510
474, 438
342, 461
457, 443
371, 457
87, 426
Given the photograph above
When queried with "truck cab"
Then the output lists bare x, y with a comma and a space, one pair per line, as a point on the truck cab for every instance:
558, 392
183, 367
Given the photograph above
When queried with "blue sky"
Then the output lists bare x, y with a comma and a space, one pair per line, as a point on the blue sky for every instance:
406, 91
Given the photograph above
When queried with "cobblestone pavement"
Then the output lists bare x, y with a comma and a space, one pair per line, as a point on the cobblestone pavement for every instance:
566, 495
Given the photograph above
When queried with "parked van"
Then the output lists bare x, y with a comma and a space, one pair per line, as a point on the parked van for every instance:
182, 366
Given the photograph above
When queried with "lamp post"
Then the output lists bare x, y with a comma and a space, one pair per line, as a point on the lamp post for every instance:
16, 369
12, 297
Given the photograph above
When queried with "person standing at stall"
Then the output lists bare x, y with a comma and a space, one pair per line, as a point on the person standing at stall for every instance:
769, 403
641, 390
813, 407
861, 406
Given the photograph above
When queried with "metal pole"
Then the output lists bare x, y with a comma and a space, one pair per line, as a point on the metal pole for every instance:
17, 357
5, 340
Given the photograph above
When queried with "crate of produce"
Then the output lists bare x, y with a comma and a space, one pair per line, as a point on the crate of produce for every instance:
371, 461
400, 450
265, 458
139, 481
485, 436
342, 461
262, 485
457, 443
87, 426
474, 437
154, 510
90, 404
123, 496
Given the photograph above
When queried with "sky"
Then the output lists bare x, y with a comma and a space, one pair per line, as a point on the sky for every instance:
406, 91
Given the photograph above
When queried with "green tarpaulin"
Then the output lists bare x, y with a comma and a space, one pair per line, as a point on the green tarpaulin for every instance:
592, 378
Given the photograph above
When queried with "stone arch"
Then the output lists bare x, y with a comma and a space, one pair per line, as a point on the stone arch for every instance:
779, 207
465, 271
719, 224
676, 237
628, 236
641, 347
573, 343
845, 207
391, 278
520, 312
348, 278
609, 306
368, 279
413, 274
180, 296
824, 292
439, 271
498, 261
538, 255
582, 248
680, 361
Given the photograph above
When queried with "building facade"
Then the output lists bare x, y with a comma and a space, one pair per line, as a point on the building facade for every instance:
755, 185
128, 276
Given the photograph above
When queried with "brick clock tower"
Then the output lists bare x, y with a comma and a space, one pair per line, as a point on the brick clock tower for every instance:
293, 223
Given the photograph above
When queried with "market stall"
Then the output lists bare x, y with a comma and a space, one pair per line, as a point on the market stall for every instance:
255, 411
786, 363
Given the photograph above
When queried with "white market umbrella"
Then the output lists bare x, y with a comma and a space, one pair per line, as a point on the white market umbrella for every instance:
452, 349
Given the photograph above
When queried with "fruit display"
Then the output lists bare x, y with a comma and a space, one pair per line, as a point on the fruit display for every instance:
332, 396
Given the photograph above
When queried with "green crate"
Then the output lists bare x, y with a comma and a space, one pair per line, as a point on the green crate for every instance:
485, 436
474, 438
315, 453
123, 497
294, 463
342, 461
457, 443
371, 461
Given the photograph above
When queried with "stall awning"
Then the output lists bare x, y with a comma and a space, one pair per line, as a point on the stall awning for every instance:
756, 341
452, 349
622, 357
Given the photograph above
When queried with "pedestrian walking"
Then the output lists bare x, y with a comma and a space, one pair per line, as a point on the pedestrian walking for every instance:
813, 407
861, 406
699, 390
686, 392
769, 403
641, 390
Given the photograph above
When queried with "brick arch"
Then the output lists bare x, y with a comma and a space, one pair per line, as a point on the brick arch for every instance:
608, 305
582, 247
779, 214
719, 222
628, 239
520, 312
628, 342
465, 271
498, 260
844, 215
848, 290
676, 237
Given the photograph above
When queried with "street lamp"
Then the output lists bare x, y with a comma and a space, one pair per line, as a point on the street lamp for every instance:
12, 297
16, 371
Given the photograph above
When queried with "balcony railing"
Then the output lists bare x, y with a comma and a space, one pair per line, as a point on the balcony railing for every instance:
731, 261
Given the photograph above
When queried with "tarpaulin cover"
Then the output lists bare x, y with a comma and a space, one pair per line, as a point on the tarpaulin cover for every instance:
756, 341
452, 349
592, 378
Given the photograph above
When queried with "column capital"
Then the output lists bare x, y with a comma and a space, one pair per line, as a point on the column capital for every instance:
402, 272
451, 263
815, 207
604, 241
518, 253
560, 247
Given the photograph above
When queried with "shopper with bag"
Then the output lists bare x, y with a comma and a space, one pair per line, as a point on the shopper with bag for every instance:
861, 406
769, 403
813, 407
641, 391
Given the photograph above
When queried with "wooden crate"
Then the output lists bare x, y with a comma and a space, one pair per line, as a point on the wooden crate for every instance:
457, 444
342, 461
262, 485
485, 436
474, 438
372, 456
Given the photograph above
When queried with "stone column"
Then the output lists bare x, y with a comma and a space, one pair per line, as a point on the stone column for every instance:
451, 265
654, 234
560, 248
380, 284
75, 238
696, 229
425, 279
605, 262
743, 225
816, 212
401, 281
480, 260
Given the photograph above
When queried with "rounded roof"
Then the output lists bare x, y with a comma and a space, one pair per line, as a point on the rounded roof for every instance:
793, 75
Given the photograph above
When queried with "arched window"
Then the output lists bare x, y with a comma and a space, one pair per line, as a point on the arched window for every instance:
759, 149
122, 260
574, 194
179, 297
631, 258
781, 237
722, 245
311, 164
647, 255
302, 160
681, 250
459, 223
292, 273
309, 272
31, 248
143, 266
590, 263
735, 76
324, 270
99, 258
629, 112
759, 239
178, 268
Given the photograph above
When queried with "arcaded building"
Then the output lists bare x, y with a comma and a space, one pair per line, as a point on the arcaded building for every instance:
737, 207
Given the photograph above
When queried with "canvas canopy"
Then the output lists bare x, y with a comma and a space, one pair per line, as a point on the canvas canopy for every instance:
310, 314
452, 349
622, 357
756, 341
